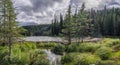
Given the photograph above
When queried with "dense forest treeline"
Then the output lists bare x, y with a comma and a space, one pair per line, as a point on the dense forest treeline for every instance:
104, 22
37, 30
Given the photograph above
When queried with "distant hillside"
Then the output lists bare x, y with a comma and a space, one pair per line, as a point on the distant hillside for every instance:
27, 23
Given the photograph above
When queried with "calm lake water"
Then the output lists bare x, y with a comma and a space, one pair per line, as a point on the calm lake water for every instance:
43, 39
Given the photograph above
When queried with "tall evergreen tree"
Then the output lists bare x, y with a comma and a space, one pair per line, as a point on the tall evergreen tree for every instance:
83, 23
67, 31
9, 31
61, 23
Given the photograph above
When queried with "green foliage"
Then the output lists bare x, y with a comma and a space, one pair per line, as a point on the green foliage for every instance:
46, 45
99, 53
72, 48
3, 55
116, 55
80, 59
59, 49
67, 58
27, 46
89, 47
83, 47
37, 30
106, 62
104, 53
113, 43
38, 58
87, 59
9, 29
23, 54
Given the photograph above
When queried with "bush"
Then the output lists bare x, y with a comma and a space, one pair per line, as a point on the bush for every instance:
27, 46
59, 49
46, 45
111, 42
4, 56
3, 52
39, 58
83, 47
67, 58
104, 53
116, 55
87, 59
72, 48
107, 62
80, 59
23, 54
116, 47
89, 47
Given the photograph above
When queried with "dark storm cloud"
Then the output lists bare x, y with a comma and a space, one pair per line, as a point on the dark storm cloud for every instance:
39, 6
38, 10
42, 11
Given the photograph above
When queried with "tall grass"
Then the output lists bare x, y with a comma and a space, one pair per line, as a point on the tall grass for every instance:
23, 54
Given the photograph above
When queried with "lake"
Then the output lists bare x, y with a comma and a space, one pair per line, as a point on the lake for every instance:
43, 39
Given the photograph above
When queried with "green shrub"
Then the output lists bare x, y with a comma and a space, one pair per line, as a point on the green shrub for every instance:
111, 42
104, 53
117, 62
3, 52
22, 59
106, 62
39, 58
114, 43
23, 54
4, 56
89, 47
59, 49
117, 42
40, 45
116, 55
87, 59
80, 59
116, 47
46, 45
72, 48
51, 44
67, 58
83, 47
27, 46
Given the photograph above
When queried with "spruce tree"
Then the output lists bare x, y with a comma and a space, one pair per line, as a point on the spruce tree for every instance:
9, 31
67, 31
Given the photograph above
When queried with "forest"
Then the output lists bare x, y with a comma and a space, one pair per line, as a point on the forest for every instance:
74, 28
104, 22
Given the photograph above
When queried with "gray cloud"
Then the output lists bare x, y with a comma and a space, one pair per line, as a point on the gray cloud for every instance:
42, 11
42, 5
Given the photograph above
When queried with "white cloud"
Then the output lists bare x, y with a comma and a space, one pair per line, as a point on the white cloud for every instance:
42, 11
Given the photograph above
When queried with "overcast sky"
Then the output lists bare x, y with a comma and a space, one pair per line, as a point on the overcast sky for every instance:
42, 11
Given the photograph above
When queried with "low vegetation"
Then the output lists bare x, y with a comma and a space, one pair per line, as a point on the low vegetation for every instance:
23, 54
105, 52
